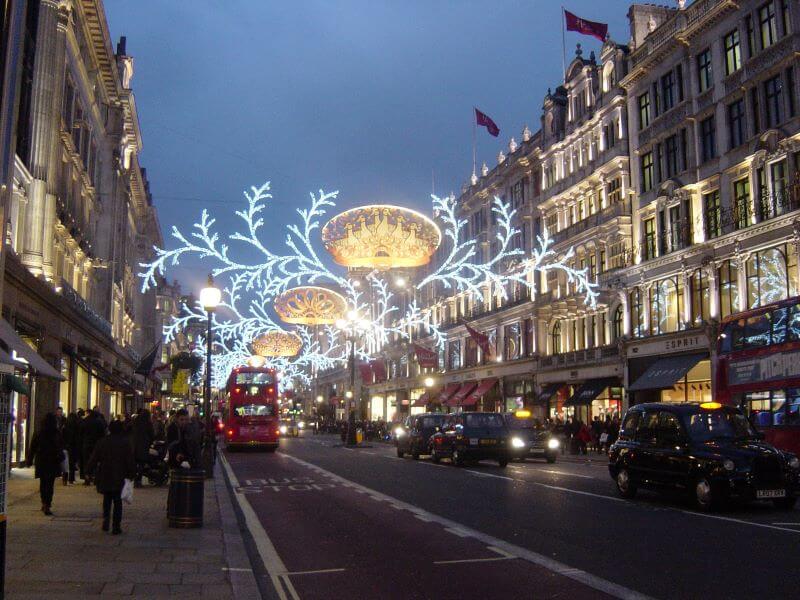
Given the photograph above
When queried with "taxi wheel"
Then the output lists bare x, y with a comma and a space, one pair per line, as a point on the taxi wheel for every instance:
435, 458
704, 497
415, 455
785, 503
550, 459
400, 453
503, 462
458, 458
625, 486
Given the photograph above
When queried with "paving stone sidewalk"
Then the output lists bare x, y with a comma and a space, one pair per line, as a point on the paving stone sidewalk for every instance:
68, 556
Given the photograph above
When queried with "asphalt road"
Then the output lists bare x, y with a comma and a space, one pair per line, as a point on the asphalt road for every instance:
330, 522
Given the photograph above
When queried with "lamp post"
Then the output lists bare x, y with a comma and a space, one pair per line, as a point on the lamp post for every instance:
210, 297
351, 326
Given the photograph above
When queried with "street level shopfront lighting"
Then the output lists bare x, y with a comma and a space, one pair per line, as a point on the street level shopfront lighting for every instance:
429, 382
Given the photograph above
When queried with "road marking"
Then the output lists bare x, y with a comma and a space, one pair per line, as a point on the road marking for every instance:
563, 473
479, 473
266, 549
592, 581
501, 552
317, 572
236, 569
792, 524
580, 492
472, 560
458, 531
732, 520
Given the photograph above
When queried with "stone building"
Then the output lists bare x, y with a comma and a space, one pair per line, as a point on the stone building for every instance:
80, 217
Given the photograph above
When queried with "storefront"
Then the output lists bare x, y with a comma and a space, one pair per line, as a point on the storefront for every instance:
596, 398
419, 401
674, 369
518, 395
377, 408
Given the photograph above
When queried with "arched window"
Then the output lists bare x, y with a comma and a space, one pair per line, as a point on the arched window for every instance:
619, 323
555, 338
608, 76
728, 277
767, 277
665, 306
701, 296
637, 313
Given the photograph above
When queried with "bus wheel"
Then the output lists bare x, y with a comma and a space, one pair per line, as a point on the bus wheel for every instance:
271, 449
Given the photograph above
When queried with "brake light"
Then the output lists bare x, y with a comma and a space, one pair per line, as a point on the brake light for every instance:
220, 426
278, 431
438, 440
230, 432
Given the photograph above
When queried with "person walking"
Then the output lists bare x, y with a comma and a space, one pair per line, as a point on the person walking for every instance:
71, 436
111, 463
93, 429
142, 437
47, 454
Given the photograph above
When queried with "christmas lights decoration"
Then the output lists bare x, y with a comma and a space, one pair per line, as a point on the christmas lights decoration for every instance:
254, 284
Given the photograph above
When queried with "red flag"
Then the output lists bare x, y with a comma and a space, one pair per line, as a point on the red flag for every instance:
425, 357
575, 23
486, 121
481, 339
379, 369
366, 372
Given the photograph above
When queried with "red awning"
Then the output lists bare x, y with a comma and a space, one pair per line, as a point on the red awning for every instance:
335, 400
447, 392
483, 387
422, 400
462, 393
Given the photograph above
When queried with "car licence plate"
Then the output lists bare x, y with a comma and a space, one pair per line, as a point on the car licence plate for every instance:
770, 494
488, 442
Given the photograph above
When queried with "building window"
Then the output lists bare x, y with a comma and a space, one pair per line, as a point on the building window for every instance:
555, 338
704, 71
713, 214
786, 17
454, 358
647, 172
728, 277
649, 249
751, 37
637, 313
614, 190
671, 155
776, 199
708, 138
767, 25
741, 203
664, 307
644, 110
701, 296
736, 124
773, 93
518, 193
767, 277
619, 323
733, 52
667, 91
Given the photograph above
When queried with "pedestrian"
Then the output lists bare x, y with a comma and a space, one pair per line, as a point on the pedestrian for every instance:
112, 463
142, 437
60, 418
159, 428
71, 436
182, 449
47, 454
583, 436
93, 429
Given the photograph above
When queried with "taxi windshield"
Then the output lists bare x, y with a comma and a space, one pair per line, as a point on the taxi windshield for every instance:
515, 422
486, 420
709, 425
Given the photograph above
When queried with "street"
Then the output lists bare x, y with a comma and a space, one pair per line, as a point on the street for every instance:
331, 522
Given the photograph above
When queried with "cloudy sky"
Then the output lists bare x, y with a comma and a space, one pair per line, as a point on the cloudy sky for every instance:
372, 98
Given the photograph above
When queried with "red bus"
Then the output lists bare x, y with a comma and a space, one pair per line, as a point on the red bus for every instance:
758, 369
251, 411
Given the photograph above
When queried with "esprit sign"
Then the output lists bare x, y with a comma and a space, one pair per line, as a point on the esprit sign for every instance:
674, 344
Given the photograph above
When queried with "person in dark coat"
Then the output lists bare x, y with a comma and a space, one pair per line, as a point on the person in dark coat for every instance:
71, 445
142, 437
93, 429
182, 449
112, 463
47, 454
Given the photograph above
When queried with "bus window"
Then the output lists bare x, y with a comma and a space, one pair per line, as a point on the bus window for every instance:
793, 326
255, 410
779, 321
756, 332
246, 378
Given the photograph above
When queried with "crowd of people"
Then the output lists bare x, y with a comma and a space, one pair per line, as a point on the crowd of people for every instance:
84, 445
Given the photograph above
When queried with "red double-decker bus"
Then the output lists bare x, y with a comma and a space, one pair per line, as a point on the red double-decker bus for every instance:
251, 409
758, 369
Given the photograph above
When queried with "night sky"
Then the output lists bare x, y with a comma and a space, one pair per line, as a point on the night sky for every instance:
372, 98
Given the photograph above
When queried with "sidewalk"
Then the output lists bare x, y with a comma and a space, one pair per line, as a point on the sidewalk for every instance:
68, 556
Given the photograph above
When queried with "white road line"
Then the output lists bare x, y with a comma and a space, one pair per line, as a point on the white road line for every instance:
236, 569
792, 524
563, 473
501, 552
269, 556
457, 531
592, 581
740, 521
580, 492
317, 572
472, 560
481, 474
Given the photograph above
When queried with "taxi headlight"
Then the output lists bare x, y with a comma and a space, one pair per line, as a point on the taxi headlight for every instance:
729, 465
517, 443
301, 424
794, 463
284, 429
399, 432
552, 443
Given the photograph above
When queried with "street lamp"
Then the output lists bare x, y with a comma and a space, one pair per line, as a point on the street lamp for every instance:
352, 325
210, 297
429, 382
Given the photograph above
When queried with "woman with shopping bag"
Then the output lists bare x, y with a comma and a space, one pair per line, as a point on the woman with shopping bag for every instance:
112, 463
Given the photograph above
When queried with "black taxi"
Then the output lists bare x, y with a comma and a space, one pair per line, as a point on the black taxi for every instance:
471, 436
529, 438
414, 435
709, 450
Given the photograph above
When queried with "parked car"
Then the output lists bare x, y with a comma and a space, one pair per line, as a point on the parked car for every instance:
414, 436
529, 438
709, 450
471, 436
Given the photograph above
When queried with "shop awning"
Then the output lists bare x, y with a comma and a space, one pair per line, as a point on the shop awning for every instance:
8, 364
483, 387
112, 380
15, 344
448, 391
548, 392
422, 400
462, 393
335, 400
590, 390
665, 372
13, 383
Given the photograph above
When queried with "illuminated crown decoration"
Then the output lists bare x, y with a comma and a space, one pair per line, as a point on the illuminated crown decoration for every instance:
381, 237
277, 343
310, 305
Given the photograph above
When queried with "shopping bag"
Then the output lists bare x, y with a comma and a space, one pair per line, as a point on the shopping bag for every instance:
127, 492
603, 438
65, 462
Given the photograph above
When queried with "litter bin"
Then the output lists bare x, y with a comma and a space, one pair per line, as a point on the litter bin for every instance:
185, 500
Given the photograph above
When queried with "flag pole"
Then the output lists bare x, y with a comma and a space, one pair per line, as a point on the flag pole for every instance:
563, 44
474, 137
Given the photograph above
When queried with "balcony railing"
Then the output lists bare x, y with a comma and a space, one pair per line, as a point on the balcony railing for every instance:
579, 357
610, 212
775, 204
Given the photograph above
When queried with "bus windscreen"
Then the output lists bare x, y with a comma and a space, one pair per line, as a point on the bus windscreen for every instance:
249, 378
255, 409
